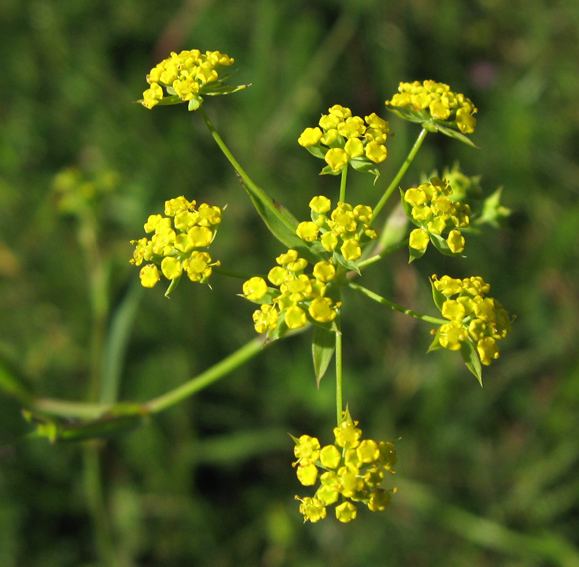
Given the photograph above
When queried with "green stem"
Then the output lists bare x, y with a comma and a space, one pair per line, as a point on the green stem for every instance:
231, 274
397, 178
395, 306
211, 375
80, 410
377, 257
339, 375
343, 181
251, 187
94, 492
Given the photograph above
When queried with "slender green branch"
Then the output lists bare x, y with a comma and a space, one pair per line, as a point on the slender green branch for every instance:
251, 187
230, 273
395, 306
339, 375
398, 177
211, 375
377, 257
83, 410
343, 182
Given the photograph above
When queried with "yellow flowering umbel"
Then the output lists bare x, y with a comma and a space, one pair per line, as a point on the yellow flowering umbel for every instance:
178, 242
431, 208
342, 139
475, 322
341, 232
186, 77
296, 298
435, 107
349, 473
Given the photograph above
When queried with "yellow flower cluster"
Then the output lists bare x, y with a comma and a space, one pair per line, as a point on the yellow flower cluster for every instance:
295, 295
178, 242
350, 471
472, 316
432, 100
185, 76
343, 139
431, 208
341, 231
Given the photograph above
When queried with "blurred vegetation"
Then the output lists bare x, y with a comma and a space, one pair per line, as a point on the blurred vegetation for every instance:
486, 477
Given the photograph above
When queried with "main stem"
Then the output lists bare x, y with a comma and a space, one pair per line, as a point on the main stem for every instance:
343, 181
397, 178
211, 375
396, 306
339, 375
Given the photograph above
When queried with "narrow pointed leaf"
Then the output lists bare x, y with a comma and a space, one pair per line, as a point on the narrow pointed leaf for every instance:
471, 360
323, 347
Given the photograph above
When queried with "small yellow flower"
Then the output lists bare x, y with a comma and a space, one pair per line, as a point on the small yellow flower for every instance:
419, 239
336, 158
149, 275
346, 512
307, 474
310, 137
376, 152
171, 268
455, 241
320, 204
295, 318
254, 288
307, 231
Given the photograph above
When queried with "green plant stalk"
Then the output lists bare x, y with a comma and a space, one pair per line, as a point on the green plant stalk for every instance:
398, 177
247, 181
339, 375
395, 306
99, 304
377, 257
343, 182
210, 376
96, 502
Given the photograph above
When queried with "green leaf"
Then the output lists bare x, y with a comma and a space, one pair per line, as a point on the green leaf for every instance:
329, 171
435, 344
492, 210
442, 246
439, 298
323, 347
415, 254
348, 264
471, 360
279, 220
216, 89
455, 134
169, 100
267, 299
317, 151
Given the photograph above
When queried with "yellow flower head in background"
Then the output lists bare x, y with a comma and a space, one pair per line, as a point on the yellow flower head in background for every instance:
186, 77
434, 106
178, 242
348, 473
341, 139
473, 318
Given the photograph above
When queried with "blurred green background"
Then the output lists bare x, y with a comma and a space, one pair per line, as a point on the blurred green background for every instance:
486, 477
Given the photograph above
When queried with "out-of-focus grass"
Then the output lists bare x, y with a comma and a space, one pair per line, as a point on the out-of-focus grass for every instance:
487, 476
